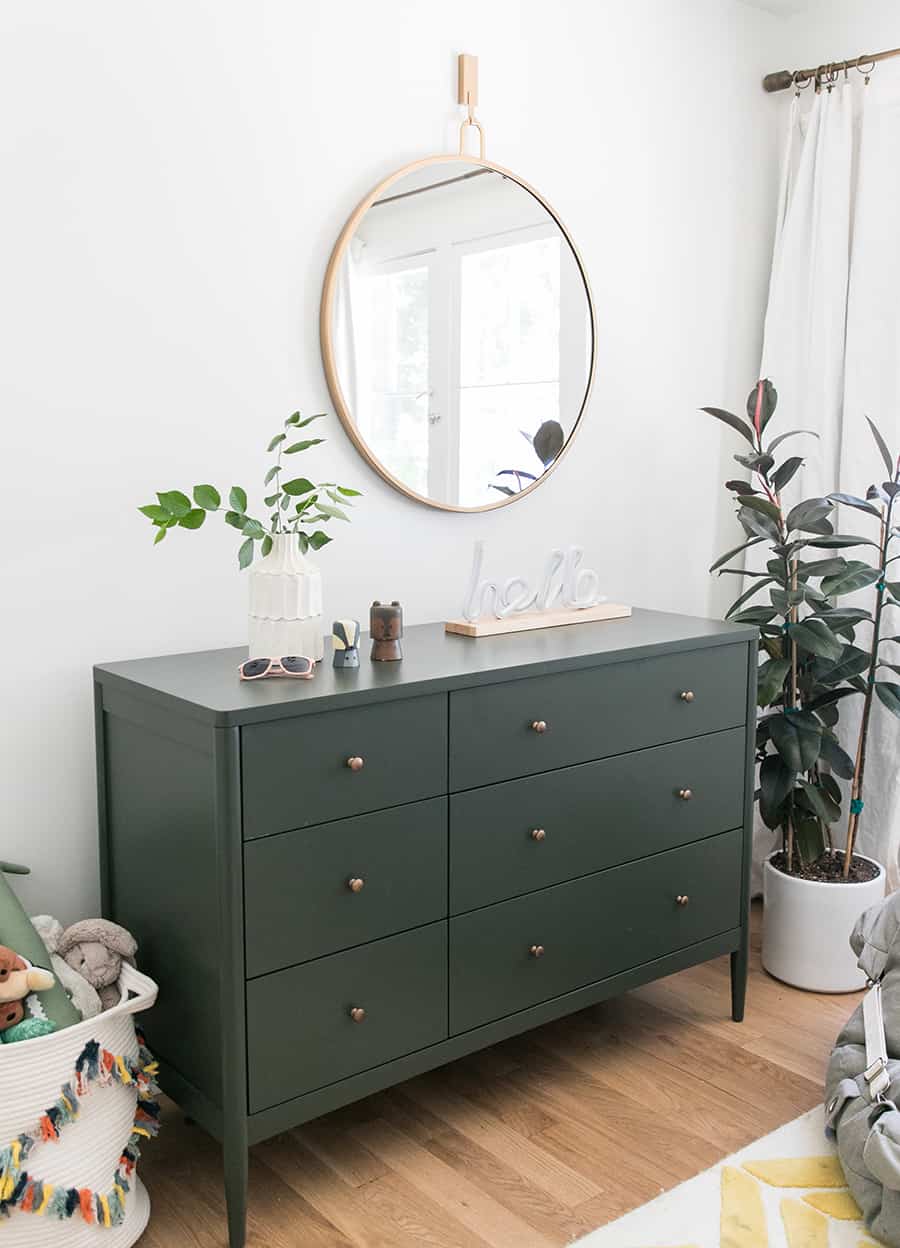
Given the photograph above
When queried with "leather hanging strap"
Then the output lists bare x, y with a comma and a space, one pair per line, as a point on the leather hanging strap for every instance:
876, 1072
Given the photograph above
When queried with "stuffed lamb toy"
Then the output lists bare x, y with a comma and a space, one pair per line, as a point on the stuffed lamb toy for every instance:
83, 995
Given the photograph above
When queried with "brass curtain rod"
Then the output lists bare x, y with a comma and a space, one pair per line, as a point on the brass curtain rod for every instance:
785, 78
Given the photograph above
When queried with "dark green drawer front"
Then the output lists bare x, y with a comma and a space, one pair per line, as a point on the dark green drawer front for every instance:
295, 771
593, 816
297, 900
300, 1035
593, 713
590, 928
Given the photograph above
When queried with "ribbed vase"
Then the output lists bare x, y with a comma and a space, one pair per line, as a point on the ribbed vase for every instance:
285, 603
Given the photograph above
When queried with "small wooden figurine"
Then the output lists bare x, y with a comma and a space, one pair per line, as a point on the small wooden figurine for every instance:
386, 629
345, 643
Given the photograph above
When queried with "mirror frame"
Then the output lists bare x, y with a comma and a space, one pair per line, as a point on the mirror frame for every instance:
327, 336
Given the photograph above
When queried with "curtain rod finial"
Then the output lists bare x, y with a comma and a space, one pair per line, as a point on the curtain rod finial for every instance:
779, 81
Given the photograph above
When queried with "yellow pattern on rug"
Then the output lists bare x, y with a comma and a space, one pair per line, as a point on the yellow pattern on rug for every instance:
799, 1172
743, 1218
840, 1205
804, 1227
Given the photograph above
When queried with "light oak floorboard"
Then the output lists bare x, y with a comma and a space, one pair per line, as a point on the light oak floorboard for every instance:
530, 1144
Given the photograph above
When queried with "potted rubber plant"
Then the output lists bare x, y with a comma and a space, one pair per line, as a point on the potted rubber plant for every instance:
285, 585
811, 659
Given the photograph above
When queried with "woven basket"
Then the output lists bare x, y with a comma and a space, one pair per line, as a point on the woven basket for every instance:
86, 1155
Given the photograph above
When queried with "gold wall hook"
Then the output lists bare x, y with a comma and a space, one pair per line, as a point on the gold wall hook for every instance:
467, 95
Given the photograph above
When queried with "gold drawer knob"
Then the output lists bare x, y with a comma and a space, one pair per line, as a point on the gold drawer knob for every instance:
685, 794
356, 885
682, 900
687, 695
355, 763
538, 834
537, 951
539, 726
357, 1013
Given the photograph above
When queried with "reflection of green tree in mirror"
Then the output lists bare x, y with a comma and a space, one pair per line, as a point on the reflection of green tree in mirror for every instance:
546, 444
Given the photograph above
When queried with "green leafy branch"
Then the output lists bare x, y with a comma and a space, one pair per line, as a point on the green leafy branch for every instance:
296, 506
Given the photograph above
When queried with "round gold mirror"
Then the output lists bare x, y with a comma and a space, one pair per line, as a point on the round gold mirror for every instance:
458, 333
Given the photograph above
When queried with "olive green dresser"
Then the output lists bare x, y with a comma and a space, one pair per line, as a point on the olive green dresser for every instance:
341, 883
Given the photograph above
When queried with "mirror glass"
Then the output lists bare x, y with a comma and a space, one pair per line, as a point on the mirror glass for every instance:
458, 334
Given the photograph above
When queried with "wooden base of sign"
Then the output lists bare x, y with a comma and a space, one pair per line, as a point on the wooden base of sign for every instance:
489, 626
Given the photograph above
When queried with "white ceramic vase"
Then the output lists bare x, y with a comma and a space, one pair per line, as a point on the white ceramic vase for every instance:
285, 603
807, 926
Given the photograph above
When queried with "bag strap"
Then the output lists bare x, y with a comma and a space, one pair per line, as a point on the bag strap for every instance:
876, 1073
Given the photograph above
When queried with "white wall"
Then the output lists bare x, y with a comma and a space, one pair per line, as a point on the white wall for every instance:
174, 175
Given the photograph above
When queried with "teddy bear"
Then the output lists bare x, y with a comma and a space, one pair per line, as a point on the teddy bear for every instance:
18, 979
84, 996
96, 949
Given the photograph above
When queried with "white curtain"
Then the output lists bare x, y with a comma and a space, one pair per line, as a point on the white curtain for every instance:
832, 344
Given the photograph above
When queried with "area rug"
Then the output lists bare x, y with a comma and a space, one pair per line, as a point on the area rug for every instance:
783, 1191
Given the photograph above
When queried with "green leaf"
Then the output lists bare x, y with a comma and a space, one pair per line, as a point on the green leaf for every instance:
245, 553
207, 497
266, 547
155, 513
762, 505
770, 680
348, 493
272, 500
808, 515
254, 529
746, 595
193, 519
819, 801
336, 498
776, 780
318, 539
856, 575
757, 524
850, 500
303, 542
882, 446
889, 694
301, 424
273, 472
793, 433
293, 419
236, 519
822, 567
302, 446
175, 503
796, 736
756, 462
299, 485
786, 471
276, 441
768, 401
852, 662
729, 418
815, 636
238, 499
755, 615
334, 512
837, 541
285, 501
159, 537
836, 757
809, 839
753, 541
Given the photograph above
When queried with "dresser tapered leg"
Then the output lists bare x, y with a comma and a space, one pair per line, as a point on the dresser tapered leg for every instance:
236, 1176
740, 963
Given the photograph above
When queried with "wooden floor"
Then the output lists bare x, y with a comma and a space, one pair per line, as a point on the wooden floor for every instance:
530, 1144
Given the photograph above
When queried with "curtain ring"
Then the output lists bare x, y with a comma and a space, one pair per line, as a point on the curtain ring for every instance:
865, 68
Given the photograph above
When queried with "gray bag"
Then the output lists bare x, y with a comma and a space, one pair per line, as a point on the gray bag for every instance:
862, 1086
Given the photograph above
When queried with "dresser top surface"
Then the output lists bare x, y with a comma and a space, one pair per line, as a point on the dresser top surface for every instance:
205, 685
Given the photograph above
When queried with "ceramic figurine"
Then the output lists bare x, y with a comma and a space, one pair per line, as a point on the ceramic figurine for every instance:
345, 643
386, 629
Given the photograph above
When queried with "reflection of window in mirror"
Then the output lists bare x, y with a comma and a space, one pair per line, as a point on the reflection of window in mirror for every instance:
461, 324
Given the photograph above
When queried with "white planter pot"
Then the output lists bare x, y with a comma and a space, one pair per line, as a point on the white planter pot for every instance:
285, 603
807, 926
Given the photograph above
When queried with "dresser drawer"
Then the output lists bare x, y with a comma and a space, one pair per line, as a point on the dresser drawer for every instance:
593, 713
300, 1033
526, 834
297, 772
318, 890
590, 929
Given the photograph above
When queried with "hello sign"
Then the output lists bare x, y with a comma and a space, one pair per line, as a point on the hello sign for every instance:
566, 593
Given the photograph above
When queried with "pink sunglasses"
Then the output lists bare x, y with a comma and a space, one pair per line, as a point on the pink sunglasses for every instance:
295, 665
